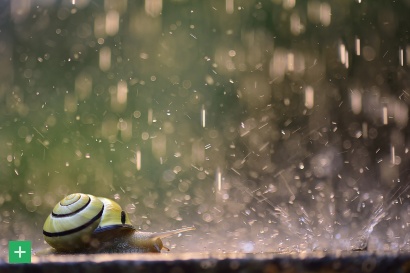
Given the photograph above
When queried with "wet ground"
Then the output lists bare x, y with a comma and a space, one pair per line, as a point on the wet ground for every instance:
217, 262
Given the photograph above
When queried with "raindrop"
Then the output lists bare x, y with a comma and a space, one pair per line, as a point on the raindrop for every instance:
309, 97
105, 58
385, 116
218, 179
401, 56
112, 22
203, 116
356, 101
153, 7
229, 6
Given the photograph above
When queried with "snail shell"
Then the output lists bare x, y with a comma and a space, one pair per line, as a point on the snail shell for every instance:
88, 224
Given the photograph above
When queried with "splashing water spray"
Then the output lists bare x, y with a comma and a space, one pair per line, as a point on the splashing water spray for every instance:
381, 211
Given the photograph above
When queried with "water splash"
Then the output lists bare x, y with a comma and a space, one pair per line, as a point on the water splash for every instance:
362, 240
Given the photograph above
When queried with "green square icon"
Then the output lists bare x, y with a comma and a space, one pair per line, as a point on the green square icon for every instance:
19, 252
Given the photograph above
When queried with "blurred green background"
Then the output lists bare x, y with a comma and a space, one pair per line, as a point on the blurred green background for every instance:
269, 125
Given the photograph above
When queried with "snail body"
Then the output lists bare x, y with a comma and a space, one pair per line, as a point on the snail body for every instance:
83, 223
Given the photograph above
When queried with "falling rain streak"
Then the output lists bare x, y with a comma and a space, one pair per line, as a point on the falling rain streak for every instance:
153, 7
229, 6
401, 56
356, 101
357, 46
309, 97
218, 179
150, 116
319, 12
138, 159
112, 22
385, 115
393, 155
365, 130
122, 91
284, 61
105, 58
344, 55
203, 116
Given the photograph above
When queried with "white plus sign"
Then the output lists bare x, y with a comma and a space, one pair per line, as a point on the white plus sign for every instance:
19, 252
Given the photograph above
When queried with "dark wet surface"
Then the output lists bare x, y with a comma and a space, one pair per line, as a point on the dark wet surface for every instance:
343, 261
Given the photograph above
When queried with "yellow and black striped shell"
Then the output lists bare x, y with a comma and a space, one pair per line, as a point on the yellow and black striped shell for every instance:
78, 220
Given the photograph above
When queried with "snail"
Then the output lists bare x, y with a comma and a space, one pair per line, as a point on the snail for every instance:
83, 223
